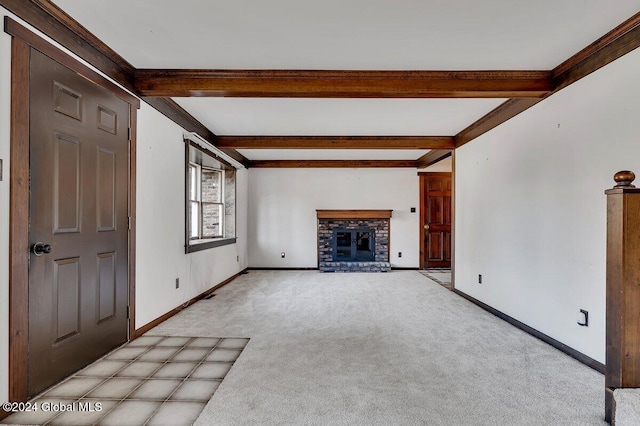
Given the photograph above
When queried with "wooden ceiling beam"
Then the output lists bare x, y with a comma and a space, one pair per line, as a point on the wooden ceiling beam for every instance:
57, 24
525, 88
354, 164
343, 84
177, 114
493, 119
432, 157
335, 142
618, 42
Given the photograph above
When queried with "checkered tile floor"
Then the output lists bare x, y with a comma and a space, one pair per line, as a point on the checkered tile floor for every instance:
441, 276
153, 380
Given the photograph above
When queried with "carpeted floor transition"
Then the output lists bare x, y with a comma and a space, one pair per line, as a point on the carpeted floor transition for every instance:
368, 349
380, 349
441, 276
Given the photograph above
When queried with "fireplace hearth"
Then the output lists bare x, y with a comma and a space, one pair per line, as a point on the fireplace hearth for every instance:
353, 240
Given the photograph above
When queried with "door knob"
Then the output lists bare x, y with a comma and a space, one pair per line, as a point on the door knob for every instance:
426, 227
40, 248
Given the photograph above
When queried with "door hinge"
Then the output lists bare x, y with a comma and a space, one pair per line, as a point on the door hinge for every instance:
128, 316
129, 222
129, 134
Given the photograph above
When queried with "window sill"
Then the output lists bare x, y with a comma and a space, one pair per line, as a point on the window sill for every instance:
207, 244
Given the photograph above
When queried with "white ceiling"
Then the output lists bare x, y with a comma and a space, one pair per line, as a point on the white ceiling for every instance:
331, 117
349, 34
346, 35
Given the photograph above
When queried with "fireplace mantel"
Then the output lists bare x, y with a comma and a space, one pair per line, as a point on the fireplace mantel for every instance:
354, 214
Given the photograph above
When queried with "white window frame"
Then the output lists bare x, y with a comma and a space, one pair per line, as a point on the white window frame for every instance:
198, 201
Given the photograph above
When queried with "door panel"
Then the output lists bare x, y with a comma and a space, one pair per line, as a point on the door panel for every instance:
79, 154
107, 119
435, 245
66, 101
66, 190
107, 285
106, 190
446, 210
436, 220
435, 212
446, 250
435, 185
66, 288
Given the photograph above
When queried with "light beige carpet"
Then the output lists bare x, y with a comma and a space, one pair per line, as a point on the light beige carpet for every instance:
381, 349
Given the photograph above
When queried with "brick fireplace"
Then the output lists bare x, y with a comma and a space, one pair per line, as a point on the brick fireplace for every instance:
353, 240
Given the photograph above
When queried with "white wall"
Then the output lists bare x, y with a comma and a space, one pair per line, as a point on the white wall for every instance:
530, 208
198, 271
160, 224
282, 211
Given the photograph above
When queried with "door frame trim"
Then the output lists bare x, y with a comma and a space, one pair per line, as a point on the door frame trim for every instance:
422, 176
22, 42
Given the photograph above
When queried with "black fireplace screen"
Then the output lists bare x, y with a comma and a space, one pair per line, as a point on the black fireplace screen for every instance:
353, 244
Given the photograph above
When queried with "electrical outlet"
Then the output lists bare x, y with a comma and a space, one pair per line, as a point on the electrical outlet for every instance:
282, 255
399, 254
479, 278
177, 282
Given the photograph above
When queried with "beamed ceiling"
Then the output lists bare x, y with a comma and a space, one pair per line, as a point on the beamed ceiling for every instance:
370, 83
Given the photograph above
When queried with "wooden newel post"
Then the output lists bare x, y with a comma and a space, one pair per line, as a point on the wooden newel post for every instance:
623, 289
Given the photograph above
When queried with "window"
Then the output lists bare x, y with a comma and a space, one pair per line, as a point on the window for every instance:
206, 195
210, 208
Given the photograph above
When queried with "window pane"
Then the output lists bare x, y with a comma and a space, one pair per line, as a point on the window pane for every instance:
194, 220
212, 218
229, 194
193, 183
211, 186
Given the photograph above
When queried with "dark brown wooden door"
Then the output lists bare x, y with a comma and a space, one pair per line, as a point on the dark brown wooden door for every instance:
436, 220
79, 193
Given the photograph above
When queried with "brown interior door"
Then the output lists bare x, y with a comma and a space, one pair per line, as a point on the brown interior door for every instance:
436, 220
79, 194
